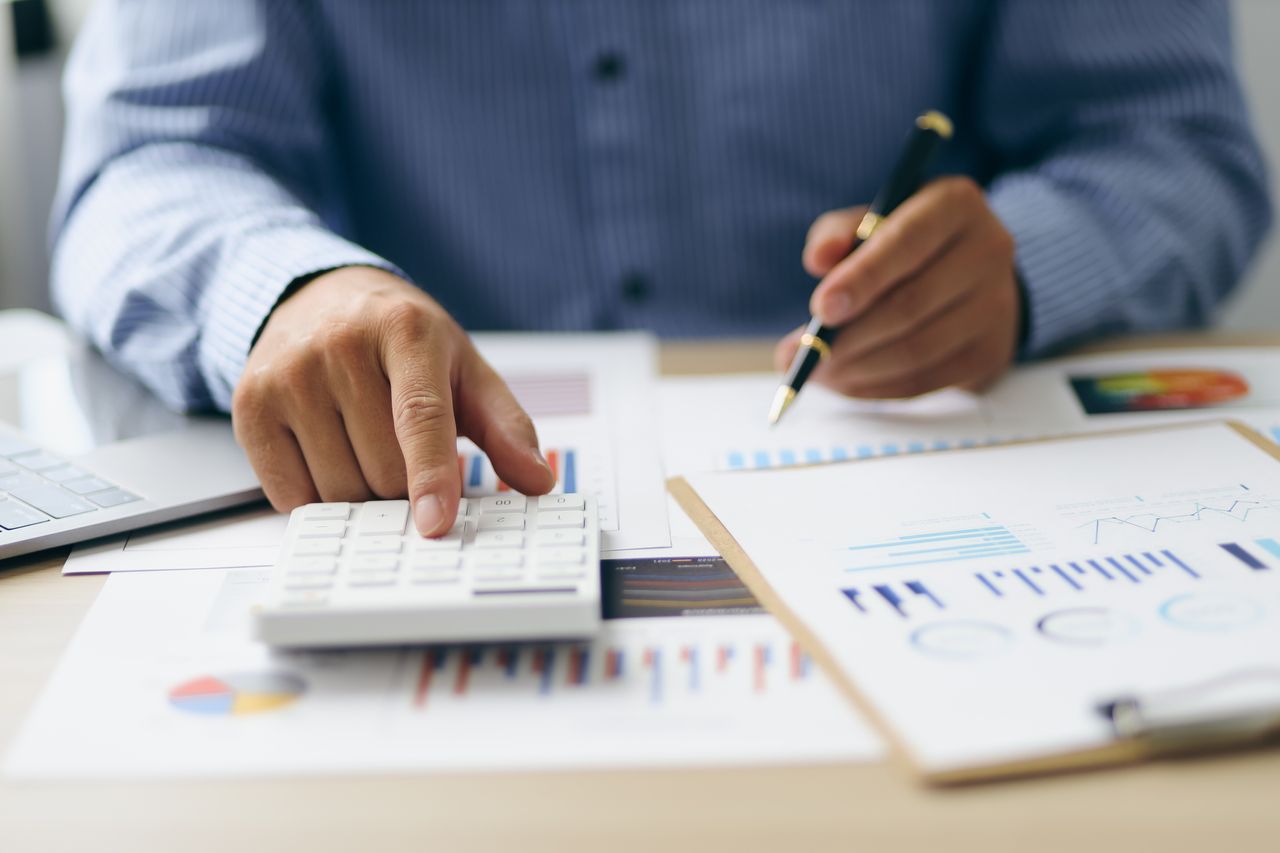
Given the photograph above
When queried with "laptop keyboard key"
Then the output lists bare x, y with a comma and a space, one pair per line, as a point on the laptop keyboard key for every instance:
63, 474
12, 446
51, 500
87, 485
38, 460
14, 515
112, 497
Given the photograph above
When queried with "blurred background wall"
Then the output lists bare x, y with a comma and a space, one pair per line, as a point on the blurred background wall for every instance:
31, 126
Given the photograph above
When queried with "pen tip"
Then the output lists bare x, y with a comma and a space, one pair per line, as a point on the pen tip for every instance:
781, 401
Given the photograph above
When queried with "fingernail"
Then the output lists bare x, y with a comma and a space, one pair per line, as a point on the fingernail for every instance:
836, 308
428, 512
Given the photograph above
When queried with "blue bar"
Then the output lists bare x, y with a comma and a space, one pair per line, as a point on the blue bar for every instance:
997, 528
617, 656
812, 455
1275, 434
1066, 577
892, 598
1271, 545
1029, 582
787, 457
1101, 570
915, 447
852, 594
997, 593
586, 665
1243, 556
736, 460
1115, 564
889, 450
933, 539
1141, 567
570, 472
477, 468
1152, 558
938, 560
839, 454
548, 660
864, 451
513, 662
941, 445
1079, 570
920, 589
1168, 555
762, 459
968, 442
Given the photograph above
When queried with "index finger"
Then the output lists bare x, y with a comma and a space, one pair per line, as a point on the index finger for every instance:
918, 230
416, 359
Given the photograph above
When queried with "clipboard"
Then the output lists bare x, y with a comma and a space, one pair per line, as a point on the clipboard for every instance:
1145, 727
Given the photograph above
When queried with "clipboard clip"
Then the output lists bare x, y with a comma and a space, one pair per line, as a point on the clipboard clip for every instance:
1229, 712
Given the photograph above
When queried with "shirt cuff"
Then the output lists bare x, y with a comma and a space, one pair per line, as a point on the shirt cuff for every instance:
1071, 282
267, 261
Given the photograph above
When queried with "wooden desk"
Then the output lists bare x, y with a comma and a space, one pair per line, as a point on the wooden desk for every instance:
1219, 803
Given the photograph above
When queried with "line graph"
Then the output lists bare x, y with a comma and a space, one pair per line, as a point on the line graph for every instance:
1237, 509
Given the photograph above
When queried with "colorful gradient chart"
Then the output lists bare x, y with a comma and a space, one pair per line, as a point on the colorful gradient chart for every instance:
682, 586
238, 694
1158, 390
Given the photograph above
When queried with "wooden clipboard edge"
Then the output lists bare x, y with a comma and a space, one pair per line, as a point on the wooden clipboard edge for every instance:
1113, 754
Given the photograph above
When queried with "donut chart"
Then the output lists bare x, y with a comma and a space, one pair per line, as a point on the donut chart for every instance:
236, 694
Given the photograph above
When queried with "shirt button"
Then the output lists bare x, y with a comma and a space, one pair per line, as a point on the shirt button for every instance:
635, 288
609, 67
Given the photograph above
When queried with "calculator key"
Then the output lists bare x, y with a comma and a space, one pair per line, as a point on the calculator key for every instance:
51, 500
38, 460
113, 497
501, 521
321, 529
569, 518
496, 577
558, 538
452, 542
12, 446
559, 573
560, 556
374, 563
57, 475
86, 485
497, 558
11, 481
327, 512
372, 579
378, 545
562, 502
499, 539
503, 503
14, 515
438, 560
316, 547
311, 566
436, 578
382, 518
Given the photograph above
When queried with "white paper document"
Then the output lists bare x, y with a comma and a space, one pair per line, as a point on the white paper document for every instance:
989, 603
162, 679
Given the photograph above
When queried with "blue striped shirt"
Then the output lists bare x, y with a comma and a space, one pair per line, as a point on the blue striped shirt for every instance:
601, 164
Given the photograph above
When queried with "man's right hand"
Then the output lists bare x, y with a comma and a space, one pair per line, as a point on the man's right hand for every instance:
358, 387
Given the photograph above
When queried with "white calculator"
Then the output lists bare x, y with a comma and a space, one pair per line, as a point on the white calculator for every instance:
512, 568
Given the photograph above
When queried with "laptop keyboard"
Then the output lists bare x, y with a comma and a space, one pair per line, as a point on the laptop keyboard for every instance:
37, 486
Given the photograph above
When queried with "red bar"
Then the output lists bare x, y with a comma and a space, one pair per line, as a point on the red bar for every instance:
503, 487
684, 654
553, 459
760, 685
648, 657
424, 681
797, 661
611, 663
722, 659
464, 673
539, 660
575, 667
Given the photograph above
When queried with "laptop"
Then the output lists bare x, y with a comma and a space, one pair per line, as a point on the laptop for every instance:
86, 452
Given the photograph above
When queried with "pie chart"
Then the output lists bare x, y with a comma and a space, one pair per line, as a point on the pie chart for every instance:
238, 694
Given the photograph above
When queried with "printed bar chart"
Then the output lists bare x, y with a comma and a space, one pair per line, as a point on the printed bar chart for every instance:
1076, 576
479, 478
1265, 553
919, 549
781, 457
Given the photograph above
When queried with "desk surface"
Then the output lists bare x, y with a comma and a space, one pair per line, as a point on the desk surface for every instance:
1212, 803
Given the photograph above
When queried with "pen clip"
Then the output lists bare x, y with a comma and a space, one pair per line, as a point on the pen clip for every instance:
1234, 710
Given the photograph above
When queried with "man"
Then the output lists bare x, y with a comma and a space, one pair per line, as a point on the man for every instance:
292, 210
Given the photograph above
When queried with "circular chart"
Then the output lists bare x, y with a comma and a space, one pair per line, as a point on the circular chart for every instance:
1210, 611
960, 640
240, 693
1087, 626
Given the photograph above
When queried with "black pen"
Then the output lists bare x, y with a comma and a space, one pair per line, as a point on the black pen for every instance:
931, 129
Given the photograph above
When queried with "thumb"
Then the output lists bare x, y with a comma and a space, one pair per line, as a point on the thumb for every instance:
830, 239
490, 416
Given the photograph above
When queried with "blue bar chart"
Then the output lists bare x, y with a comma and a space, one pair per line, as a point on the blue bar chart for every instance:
781, 457
906, 600
920, 549
1085, 574
1259, 555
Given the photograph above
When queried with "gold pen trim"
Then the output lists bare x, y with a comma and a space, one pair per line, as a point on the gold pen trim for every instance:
815, 342
937, 122
870, 222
